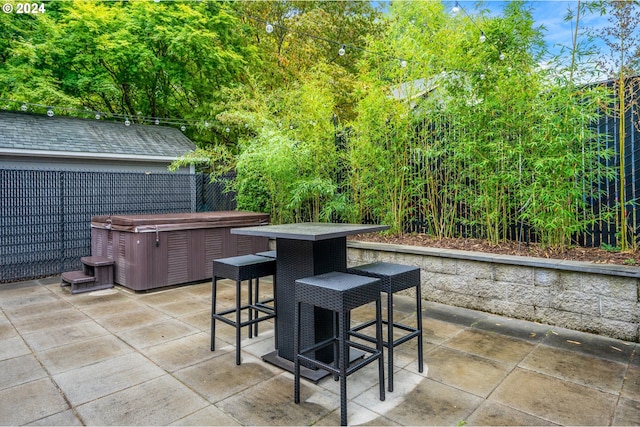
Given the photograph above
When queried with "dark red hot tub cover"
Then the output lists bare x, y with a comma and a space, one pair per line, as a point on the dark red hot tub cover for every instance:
178, 221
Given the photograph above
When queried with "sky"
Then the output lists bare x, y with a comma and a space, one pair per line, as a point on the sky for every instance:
551, 14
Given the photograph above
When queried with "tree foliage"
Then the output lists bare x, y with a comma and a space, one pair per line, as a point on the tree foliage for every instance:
477, 139
288, 157
431, 115
137, 59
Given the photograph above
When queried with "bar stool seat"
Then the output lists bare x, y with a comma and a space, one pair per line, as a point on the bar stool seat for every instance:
340, 293
395, 278
242, 268
268, 254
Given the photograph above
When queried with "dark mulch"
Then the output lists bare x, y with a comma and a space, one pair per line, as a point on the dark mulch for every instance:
577, 253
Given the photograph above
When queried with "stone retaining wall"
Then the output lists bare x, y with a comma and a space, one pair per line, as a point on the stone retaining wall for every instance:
597, 298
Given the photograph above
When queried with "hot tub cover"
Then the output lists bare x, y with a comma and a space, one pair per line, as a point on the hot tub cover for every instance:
178, 221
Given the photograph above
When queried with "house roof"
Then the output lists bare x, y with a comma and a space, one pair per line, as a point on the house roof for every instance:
26, 134
412, 89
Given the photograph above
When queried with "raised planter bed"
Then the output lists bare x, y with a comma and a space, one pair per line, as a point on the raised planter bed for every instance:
152, 251
597, 298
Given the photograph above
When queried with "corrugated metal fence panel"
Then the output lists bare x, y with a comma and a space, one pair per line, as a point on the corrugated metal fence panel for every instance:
609, 128
45, 215
633, 170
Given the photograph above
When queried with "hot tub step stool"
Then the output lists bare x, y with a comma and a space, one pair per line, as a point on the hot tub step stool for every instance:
96, 274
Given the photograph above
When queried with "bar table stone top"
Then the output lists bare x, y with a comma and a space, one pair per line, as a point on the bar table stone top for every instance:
305, 250
309, 230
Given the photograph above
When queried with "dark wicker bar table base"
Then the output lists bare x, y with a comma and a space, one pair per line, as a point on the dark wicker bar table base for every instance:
298, 259
305, 250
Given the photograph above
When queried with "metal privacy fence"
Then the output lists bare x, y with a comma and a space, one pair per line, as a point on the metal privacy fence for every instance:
611, 190
212, 195
605, 193
45, 215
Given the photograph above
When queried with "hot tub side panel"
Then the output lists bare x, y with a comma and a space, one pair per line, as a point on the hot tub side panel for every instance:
214, 248
135, 256
102, 242
151, 260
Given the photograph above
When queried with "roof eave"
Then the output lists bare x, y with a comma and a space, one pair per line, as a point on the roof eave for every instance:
84, 155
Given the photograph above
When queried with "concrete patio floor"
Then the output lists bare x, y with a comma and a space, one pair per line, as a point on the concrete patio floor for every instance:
116, 357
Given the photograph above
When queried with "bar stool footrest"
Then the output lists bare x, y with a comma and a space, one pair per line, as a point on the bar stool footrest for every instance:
373, 355
413, 332
268, 314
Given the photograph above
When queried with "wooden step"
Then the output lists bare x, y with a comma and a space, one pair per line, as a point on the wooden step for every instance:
96, 261
76, 277
81, 282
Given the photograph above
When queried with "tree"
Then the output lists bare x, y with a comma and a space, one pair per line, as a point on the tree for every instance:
307, 34
136, 59
287, 111
25, 73
472, 135
287, 160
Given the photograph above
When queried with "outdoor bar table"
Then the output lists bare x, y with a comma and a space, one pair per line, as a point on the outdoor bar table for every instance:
304, 250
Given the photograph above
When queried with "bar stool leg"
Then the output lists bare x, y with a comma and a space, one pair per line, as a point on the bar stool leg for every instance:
336, 345
390, 338
250, 299
343, 364
256, 299
380, 346
296, 350
214, 291
238, 320
419, 326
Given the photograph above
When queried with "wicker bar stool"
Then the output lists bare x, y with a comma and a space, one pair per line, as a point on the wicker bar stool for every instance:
395, 278
268, 254
340, 293
242, 268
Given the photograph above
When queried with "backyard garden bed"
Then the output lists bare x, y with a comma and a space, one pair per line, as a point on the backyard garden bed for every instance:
576, 253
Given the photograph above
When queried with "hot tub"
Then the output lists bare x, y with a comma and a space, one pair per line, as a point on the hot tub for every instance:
152, 251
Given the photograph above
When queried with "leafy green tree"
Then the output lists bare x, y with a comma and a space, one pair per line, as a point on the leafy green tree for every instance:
139, 59
287, 111
25, 72
308, 33
473, 135
288, 159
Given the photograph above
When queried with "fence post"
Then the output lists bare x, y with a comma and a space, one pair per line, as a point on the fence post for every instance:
63, 229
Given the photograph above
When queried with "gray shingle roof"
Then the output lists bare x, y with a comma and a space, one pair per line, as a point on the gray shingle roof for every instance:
74, 137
